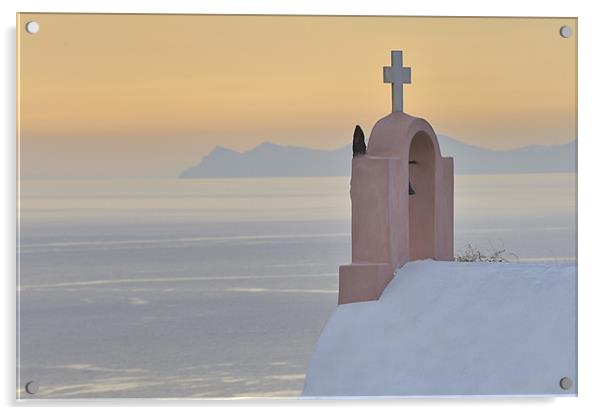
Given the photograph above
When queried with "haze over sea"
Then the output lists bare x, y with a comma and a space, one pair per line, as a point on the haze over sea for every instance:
220, 287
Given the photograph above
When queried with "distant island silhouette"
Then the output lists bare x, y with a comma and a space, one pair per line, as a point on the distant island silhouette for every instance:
274, 160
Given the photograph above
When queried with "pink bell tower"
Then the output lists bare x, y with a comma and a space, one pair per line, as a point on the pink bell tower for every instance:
391, 224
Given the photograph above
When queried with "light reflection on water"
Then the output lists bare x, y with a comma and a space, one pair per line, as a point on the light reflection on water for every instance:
220, 287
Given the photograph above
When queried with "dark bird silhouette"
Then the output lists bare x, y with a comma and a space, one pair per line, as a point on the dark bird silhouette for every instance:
359, 145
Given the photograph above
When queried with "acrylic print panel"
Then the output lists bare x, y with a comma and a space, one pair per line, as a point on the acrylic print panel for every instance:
200, 217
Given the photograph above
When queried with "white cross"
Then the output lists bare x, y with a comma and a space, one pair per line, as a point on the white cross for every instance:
397, 75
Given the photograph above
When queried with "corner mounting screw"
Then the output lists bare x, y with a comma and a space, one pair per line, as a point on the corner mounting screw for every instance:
566, 383
31, 387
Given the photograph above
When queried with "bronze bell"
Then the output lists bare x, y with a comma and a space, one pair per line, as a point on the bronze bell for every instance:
410, 188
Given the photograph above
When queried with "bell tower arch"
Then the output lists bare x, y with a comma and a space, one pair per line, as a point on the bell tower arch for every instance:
401, 199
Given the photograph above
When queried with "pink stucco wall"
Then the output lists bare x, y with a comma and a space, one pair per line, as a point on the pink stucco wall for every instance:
390, 227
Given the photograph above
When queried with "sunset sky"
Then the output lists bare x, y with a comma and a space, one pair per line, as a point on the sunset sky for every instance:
120, 96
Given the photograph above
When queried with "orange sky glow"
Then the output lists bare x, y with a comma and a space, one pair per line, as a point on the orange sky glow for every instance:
148, 95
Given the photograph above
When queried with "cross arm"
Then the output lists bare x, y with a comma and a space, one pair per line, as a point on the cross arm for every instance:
391, 76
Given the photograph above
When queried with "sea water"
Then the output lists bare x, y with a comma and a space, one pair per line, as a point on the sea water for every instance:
219, 287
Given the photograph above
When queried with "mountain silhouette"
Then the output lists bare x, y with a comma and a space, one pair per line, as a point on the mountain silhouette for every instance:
274, 160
